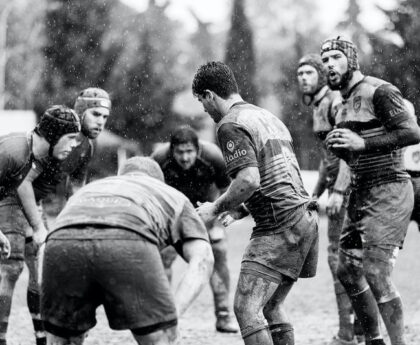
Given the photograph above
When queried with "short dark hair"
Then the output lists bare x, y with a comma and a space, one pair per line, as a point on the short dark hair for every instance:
215, 76
183, 135
144, 165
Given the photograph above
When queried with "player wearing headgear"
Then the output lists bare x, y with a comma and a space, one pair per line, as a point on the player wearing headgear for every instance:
334, 176
49, 175
373, 124
104, 250
197, 169
55, 136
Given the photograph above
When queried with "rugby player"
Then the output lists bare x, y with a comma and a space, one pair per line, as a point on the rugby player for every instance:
373, 124
258, 152
104, 250
45, 177
333, 176
54, 136
197, 169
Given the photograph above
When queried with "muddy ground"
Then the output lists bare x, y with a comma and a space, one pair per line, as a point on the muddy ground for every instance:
311, 305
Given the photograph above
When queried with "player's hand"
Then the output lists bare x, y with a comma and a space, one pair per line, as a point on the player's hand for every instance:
335, 202
228, 217
343, 138
40, 234
4, 246
206, 211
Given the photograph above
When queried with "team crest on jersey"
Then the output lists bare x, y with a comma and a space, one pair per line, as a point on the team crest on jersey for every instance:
357, 103
230, 145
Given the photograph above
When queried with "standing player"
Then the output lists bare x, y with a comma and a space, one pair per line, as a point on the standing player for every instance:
373, 124
312, 78
104, 250
197, 169
54, 136
93, 107
258, 152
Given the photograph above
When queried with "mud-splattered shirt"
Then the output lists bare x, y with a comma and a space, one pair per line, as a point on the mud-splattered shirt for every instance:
373, 108
250, 136
136, 202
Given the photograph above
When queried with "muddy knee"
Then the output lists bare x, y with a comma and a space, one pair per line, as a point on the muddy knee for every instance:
378, 266
350, 268
250, 318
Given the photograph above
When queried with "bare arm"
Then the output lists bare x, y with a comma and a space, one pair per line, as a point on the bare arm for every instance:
199, 256
246, 182
26, 196
336, 198
321, 183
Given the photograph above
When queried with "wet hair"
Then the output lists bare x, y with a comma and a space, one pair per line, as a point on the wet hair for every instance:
183, 135
144, 165
217, 77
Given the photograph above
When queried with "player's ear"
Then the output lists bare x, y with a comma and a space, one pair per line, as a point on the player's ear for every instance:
208, 94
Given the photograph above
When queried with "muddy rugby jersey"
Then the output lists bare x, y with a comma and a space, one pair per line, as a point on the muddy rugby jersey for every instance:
250, 136
16, 159
372, 108
197, 182
323, 117
135, 202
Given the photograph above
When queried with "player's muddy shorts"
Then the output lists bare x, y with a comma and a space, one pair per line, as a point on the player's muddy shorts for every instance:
378, 216
124, 273
292, 252
14, 225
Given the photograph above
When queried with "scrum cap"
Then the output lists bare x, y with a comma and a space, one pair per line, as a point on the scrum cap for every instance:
346, 47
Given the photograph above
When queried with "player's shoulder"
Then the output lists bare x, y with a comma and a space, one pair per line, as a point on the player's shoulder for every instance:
334, 97
210, 152
161, 153
15, 145
374, 81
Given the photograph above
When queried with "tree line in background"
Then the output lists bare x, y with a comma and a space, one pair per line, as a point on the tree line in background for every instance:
145, 60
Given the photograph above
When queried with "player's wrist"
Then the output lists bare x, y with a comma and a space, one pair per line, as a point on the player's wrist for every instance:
338, 191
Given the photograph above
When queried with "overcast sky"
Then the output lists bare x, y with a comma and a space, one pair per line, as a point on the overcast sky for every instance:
217, 11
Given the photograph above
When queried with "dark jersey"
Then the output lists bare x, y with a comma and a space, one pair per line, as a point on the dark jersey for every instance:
323, 122
135, 202
53, 172
16, 159
373, 108
197, 182
250, 136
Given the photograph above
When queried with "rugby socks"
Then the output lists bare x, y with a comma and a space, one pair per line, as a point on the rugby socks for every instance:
5, 304
282, 334
364, 304
345, 311
375, 342
34, 301
393, 317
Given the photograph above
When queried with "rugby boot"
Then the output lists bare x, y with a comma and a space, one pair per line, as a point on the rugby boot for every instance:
338, 341
226, 324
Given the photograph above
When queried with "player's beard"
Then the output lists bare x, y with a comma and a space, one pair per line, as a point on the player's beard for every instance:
344, 81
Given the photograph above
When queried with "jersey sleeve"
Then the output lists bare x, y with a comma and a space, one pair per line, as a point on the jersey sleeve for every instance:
189, 226
238, 148
389, 106
215, 158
